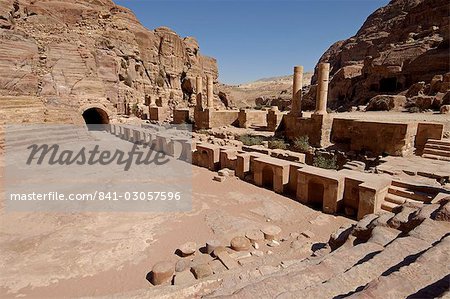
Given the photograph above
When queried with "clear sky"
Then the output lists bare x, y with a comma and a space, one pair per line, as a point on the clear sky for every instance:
253, 39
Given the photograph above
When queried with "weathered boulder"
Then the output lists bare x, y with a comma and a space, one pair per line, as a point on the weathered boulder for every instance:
400, 44
423, 102
386, 103
339, 237
415, 89
240, 244
445, 109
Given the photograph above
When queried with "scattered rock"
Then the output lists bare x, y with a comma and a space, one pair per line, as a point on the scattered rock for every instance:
219, 179
273, 243
271, 232
445, 109
202, 270
211, 245
182, 265
339, 237
308, 234
386, 103
188, 248
254, 236
257, 253
240, 244
443, 214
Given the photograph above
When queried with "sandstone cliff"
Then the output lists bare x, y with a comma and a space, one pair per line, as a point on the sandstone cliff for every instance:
92, 52
400, 44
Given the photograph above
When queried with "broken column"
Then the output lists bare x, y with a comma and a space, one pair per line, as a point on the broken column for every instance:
210, 91
322, 89
199, 90
162, 272
296, 107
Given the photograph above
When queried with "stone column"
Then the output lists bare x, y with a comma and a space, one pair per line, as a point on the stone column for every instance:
296, 106
199, 91
322, 89
210, 91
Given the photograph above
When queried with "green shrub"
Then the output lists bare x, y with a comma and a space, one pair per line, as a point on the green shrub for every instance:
414, 109
277, 144
301, 143
160, 81
250, 140
326, 163
203, 131
134, 109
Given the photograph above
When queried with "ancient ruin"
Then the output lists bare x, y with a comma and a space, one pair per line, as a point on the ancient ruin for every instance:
331, 187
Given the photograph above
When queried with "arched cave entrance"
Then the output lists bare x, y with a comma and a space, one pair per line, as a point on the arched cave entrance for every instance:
315, 194
95, 118
267, 177
388, 84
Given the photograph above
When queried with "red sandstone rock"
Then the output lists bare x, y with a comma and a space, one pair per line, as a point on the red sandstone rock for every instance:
109, 57
386, 103
400, 44
162, 272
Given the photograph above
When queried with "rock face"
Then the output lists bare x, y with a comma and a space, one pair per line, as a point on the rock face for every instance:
93, 52
400, 44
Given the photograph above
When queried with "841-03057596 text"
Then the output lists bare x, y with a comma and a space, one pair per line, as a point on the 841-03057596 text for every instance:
98, 196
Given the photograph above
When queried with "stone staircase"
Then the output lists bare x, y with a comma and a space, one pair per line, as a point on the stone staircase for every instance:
385, 255
437, 150
23, 109
402, 192
17, 137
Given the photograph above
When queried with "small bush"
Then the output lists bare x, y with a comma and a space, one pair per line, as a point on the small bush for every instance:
277, 144
326, 163
134, 109
250, 140
160, 81
301, 143
203, 131
414, 109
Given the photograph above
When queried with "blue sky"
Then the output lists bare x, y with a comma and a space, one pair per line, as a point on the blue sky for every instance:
253, 39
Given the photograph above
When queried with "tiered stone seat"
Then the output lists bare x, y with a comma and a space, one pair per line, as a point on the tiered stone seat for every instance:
390, 263
437, 149
403, 192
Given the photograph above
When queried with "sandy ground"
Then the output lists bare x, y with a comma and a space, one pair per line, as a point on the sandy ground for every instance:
55, 255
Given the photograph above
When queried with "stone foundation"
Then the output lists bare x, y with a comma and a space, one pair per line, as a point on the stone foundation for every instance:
248, 118
396, 139
181, 116
158, 113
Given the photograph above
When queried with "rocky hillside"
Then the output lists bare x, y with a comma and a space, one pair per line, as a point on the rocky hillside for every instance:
92, 52
400, 44
275, 91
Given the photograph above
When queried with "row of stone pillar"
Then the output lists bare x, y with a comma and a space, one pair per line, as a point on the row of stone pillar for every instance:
321, 94
209, 91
